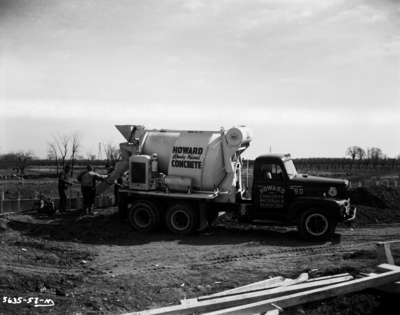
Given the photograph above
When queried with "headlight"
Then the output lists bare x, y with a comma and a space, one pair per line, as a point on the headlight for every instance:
332, 191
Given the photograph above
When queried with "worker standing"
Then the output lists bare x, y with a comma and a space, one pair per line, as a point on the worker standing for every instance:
88, 180
64, 180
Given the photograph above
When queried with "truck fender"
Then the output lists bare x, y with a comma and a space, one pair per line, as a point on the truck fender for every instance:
327, 205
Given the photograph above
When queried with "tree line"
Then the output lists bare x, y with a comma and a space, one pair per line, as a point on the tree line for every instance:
65, 149
373, 153
62, 149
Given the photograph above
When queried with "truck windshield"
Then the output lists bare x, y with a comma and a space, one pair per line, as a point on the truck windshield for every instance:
290, 168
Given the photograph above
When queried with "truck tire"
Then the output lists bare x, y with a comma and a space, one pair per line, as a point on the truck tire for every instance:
181, 218
144, 216
316, 225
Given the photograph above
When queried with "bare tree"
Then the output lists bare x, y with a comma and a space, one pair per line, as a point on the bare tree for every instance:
52, 154
75, 147
23, 159
355, 152
352, 152
63, 148
361, 153
112, 153
62, 144
375, 153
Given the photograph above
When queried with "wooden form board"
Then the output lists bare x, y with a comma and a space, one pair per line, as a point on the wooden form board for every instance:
211, 305
249, 289
390, 287
263, 284
384, 252
315, 294
258, 286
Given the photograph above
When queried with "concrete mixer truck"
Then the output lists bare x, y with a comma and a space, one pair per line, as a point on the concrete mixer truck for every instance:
183, 179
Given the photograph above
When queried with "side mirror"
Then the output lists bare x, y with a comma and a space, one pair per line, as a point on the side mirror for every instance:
268, 175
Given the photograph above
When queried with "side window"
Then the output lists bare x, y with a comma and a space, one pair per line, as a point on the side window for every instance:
272, 172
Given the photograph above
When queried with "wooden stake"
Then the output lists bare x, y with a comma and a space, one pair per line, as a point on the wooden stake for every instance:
384, 252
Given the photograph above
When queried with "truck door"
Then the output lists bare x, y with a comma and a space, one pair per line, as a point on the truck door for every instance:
270, 189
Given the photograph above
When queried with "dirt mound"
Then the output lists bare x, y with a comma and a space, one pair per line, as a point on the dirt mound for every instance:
377, 196
376, 204
390, 195
364, 196
104, 227
372, 215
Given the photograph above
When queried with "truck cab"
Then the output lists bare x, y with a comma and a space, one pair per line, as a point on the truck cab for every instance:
314, 204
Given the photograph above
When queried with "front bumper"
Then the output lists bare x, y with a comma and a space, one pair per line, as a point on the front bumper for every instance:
348, 212
351, 215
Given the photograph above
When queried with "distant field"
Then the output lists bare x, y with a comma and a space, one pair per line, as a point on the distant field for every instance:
39, 179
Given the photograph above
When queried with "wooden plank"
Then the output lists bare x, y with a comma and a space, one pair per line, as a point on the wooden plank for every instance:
389, 267
329, 277
272, 312
384, 252
269, 284
388, 253
389, 242
389, 288
263, 284
258, 286
316, 294
223, 302
299, 280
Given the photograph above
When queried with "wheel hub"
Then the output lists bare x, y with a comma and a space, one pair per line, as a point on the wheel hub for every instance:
180, 220
142, 218
316, 224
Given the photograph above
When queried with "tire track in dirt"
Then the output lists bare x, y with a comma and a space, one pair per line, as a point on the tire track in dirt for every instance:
40, 269
210, 262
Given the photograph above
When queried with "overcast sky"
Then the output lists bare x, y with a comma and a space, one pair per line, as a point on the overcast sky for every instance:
309, 77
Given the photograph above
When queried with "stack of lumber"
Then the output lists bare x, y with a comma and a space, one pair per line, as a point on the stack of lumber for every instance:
275, 294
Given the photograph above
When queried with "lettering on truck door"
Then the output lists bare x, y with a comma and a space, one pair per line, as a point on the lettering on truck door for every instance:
271, 188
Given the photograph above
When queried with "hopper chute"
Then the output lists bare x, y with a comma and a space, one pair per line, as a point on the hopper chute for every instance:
130, 132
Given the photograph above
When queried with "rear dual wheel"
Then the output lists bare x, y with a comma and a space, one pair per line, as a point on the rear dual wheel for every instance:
144, 216
182, 219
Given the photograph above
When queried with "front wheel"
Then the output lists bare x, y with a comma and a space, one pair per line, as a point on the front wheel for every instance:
316, 225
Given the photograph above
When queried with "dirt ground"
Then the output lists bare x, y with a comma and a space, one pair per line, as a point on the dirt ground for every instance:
97, 265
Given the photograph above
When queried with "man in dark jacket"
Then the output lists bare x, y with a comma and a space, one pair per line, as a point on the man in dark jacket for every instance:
88, 187
64, 180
